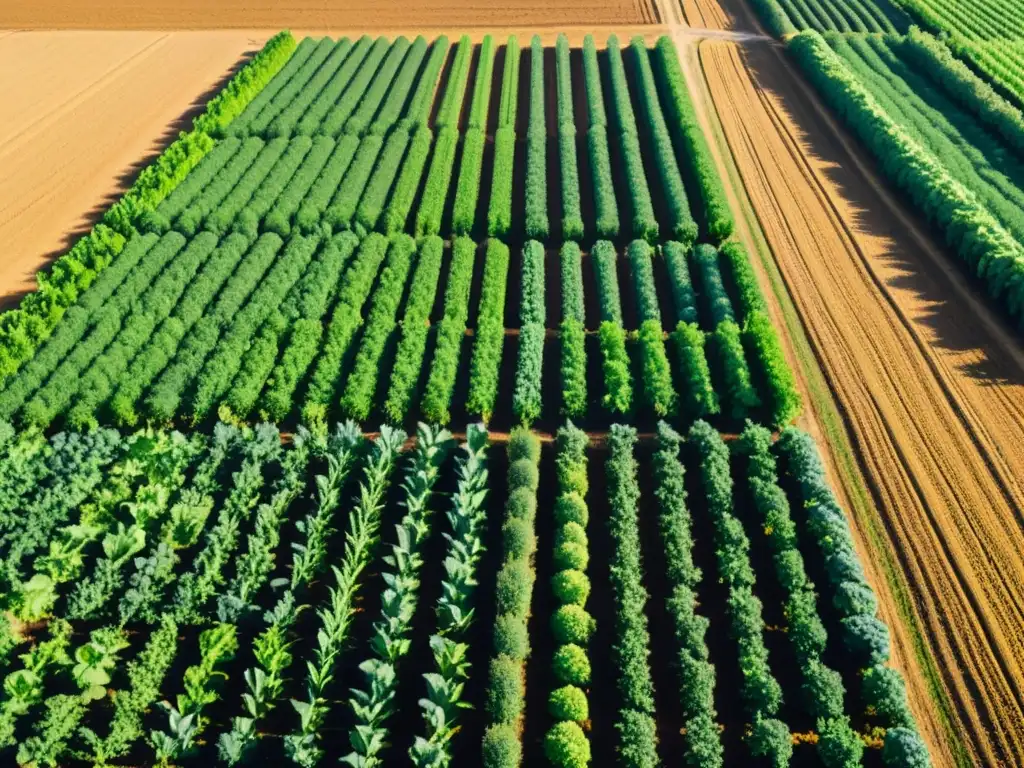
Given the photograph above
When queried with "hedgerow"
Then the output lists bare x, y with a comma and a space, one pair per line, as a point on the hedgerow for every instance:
51, 399
641, 267
644, 223
536, 211
489, 332
606, 268
567, 700
615, 365
739, 399
691, 144
307, 217
532, 308
482, 85
408, 368
220, 219
696, 672
741, 275
971, 230
279, 217
659, 394
439, 179
605, 204
499, 210
451, 333
309, 296
378, 329
326, 97
287, 119
683, 297
864, 635
199, 208
360, 83
571, 266
391, 110
684, 228
717, 303
637, 739
526, 397
248, 220
473, 142
506, 693
697, 398
340, 213
759, 690
572, 213
186, 358
572, 336
345, 321
239, 127
404, 193
765, 350
258, 124
450, 109
221, 367
375, 195
381, 86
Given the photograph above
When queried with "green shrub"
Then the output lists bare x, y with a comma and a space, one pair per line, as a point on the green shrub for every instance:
569, 703
514, 587
522, 503
506, 692
522, 473
571, 508
571, 665
904, 748
839, 746
517, 536
523, 444
570, 586
571, 532
511, 637
569, 555
572, 624
697, 393
566, 746
501, 747
618, 380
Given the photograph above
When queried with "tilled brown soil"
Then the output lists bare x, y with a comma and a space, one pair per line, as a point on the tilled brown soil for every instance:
316, 14
930, 385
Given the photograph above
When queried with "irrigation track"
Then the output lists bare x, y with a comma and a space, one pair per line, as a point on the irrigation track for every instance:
929, 385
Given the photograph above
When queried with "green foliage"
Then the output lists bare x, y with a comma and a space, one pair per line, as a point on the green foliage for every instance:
683, 226
971, 230
526, 397
376, 112
683, 297
573, 368
439, 177
499, 211
571, 665
417, 111
489, 334
408, 367
340, 214
738, 395
571, 508
451, 333
312, 207
536, 149
690, 143
404, 192
696, 392
569, 703
511, 637
769, 738
618, 380
325, 97
455, 90
502, 747
659, 394
640, 254
572, 624
509, 85
287, 119
904, 748
571, 586
717, 303
361, 82
606, 269
566, 746
764, 348
467, 191
482, 86
375, 195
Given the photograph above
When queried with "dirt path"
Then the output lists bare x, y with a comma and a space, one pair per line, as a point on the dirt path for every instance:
82, 112
930, 386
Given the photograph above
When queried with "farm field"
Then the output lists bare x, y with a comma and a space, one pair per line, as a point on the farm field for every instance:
307, 14
81, 110
953, 340
366, 231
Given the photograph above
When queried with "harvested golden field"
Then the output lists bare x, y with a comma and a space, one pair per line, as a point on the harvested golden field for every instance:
81, 113
311, 14
929, 384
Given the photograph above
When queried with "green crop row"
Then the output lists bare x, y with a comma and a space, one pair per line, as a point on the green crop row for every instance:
489, 333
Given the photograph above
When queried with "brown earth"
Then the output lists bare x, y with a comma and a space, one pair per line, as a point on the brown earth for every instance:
81, 114
930, 386
316, 14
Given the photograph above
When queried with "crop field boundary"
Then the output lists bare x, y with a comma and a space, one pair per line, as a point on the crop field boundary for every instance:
824, 411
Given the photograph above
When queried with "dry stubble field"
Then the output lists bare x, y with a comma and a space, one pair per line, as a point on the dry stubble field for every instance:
927, 381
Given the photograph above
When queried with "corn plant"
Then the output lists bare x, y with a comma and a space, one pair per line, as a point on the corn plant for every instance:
302, 745
372, 704
466, 517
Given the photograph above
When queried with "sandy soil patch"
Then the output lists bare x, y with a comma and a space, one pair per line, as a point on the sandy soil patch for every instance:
82, 113
316, 14
931, 386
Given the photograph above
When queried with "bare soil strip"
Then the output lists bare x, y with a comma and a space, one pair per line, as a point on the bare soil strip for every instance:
930, 387
82, 113
351, 14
